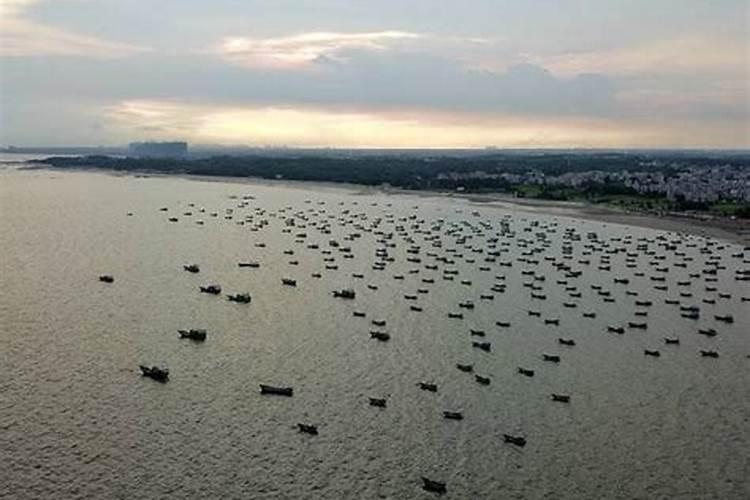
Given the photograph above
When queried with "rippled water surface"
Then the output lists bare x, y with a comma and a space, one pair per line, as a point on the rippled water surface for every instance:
77, 419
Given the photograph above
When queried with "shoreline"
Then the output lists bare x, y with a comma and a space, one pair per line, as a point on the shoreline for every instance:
732, 231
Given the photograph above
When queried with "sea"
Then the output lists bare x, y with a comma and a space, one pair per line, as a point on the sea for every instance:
78, 420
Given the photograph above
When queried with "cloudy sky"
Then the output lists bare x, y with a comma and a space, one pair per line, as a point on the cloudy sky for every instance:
377, 73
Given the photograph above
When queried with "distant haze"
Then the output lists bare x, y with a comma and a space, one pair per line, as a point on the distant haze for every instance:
386, 73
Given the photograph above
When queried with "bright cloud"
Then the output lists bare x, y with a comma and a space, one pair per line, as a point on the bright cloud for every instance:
304, 49
21, 37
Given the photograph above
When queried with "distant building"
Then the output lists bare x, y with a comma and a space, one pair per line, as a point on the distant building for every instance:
158, 149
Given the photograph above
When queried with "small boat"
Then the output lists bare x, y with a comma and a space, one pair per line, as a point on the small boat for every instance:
476, 333
415, 308
552, 321
242, 298
106, 278
426, 386
199, 335
382, 336
649, 352
359, 314
632, 324
212, 289
379, 402
156, 373
562, 398
465, 368
378, 322
485, 346
308, 429
516, 440
727, 318
672, 341
288, 282
535, 313
482, 380
453, 415
551, 357
249, 264
192, 268
525, 371
433, 486
278, 391
344, 293
569, 342
455, 315
709, 354
708, 332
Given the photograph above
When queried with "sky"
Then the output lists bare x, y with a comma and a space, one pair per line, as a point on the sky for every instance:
377, 73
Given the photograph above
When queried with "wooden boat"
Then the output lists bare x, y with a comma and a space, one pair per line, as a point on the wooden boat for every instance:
154, 372
308, 429
249, 264
278, 391
433, 486
476, 333
482, 380
212, 289
525, 371
382, 336
709, 354
708, 332
378, 322
199, 334
516, 440
106, 278
241, 298
453, 415
551, 357
192, 268
485, 346
345, 293
455, 315
359, 314
289, 282
672, 341
465, 368
633, 324
562, 398
379, 402
426, 386
727, 318
649, 352
415, 308
569, 342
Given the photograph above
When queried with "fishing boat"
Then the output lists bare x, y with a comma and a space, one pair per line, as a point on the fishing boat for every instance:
106, 278
278, 391
427, 386
465, 368
453, 415
308, 429
212, 289
344, 293
433, 486
379, 402
192, 268
242, 298
154, 372
197, 334
516, 440
525, 371
562, 398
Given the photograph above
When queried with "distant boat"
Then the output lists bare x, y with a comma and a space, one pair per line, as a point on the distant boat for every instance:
156, 373
562, 398
482, 380
192, 268
485, 346
649, 352
345, 293
249, 264
308, 429
426, 386
288, 282
709, 354
212, 289
568, 342
668, 340
106, 278
382, 336
279, 391
527, 372
516, 440
379, 402
551, 357
199, 335
453, 415
433, 486
359, 314
242, 298
465, 368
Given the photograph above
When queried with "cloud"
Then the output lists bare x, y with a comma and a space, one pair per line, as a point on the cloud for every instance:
304, 49
21, 37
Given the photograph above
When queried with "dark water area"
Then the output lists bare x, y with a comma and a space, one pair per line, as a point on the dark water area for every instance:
78, 420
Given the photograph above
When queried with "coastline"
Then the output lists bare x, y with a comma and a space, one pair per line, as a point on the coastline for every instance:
732, 231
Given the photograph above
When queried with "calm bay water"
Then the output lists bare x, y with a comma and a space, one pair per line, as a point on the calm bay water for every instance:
77, 419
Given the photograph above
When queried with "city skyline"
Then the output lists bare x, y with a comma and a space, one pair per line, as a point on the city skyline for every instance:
332, 73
